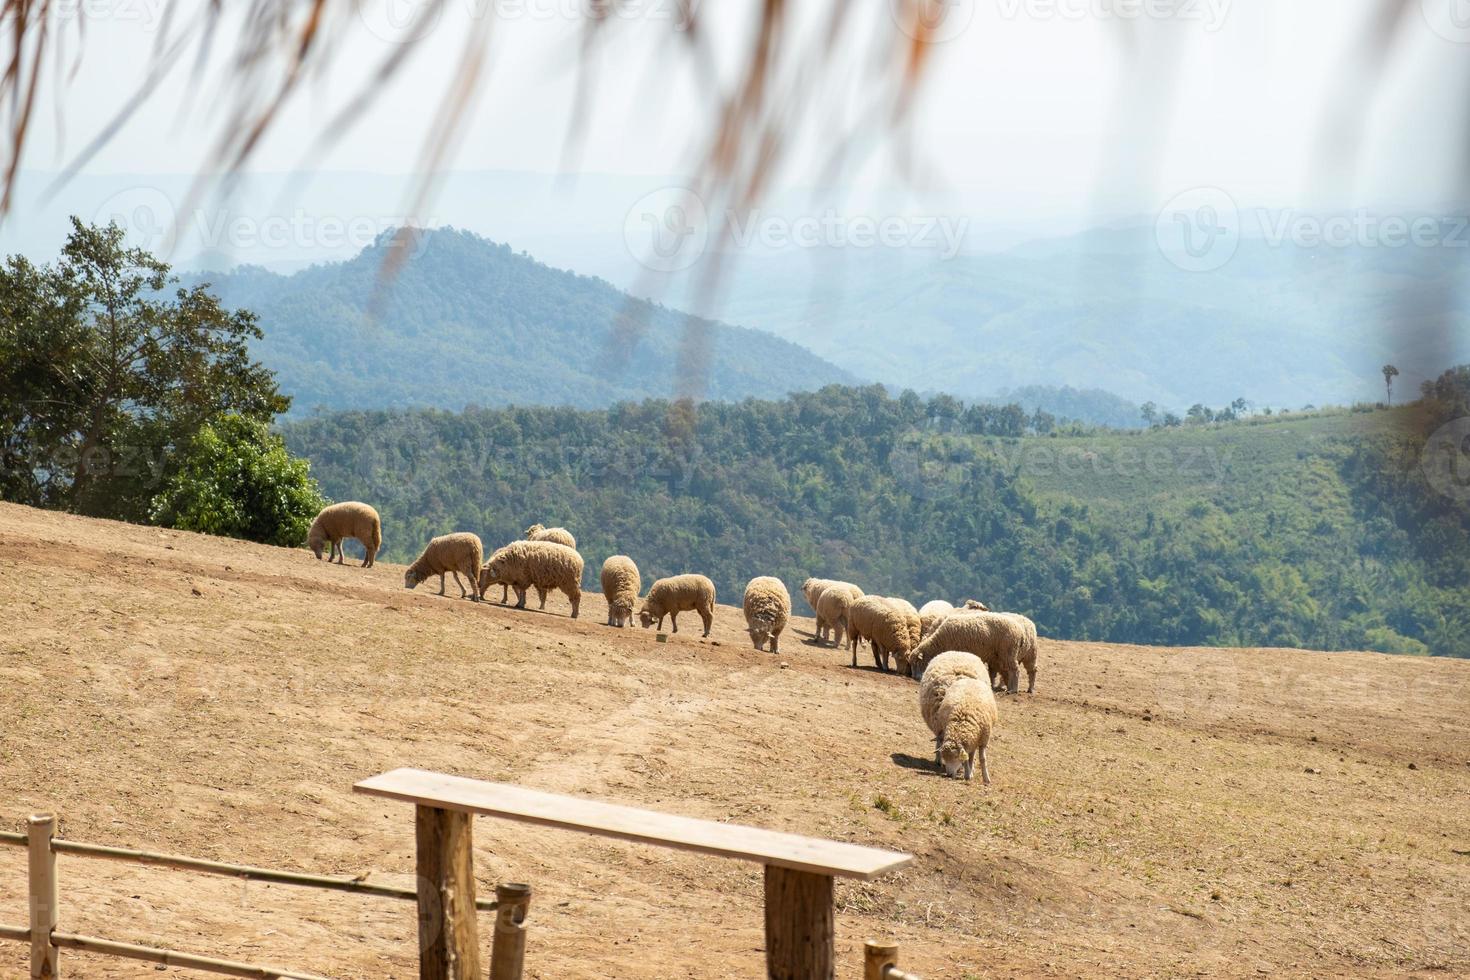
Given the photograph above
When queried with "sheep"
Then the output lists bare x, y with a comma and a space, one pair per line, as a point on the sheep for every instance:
832, 606
967, 718
1026, 656
883, 624
931, 614
543, 564
911, 619
620, 584
975, 604
556, 535
676, 594
812, 589
767, 608
938, 677
996, 639
349, 519
449, 553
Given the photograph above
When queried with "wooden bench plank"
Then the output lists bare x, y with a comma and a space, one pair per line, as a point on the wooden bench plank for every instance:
770, 847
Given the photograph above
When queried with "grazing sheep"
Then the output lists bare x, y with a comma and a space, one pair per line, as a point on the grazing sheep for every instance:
448, 554
996, 639
543, 564
884, 625
812, 589
832, 606
676, 594
911, 618
556, 535
349, 519
487, 580
939, 676
767, 608
931, 614
620, 584
967, 718
1026, 656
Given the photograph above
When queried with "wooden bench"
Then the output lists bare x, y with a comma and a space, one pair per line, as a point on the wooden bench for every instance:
799, 871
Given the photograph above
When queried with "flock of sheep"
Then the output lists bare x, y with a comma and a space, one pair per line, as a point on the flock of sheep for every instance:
958, 654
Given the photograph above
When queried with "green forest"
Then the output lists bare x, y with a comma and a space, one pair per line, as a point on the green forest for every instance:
1311, 530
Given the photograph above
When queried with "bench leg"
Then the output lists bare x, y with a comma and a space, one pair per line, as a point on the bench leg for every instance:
800, 934
449, 942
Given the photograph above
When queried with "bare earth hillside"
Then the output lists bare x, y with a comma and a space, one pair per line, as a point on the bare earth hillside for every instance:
1155, 811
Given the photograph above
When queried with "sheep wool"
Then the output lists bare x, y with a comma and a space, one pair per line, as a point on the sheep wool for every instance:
911, 618
931, 614
556, 535
938, 677
995, 638
542, 564
620, 585
676, 594
882, 624
967, 716
832, 606
349, 519
1026, 656
448, 554
767, 608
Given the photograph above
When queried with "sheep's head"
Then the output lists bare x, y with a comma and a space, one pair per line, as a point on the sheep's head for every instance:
411, 578
315, 539
645, 617
975, 604
534, 528
953, 755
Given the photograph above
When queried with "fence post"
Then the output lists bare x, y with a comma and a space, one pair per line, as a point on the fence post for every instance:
801, 936
878, 957
449, 943
508, 950
40, 828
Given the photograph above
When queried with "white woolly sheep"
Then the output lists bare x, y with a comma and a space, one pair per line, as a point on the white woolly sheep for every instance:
556, 535
1026, 656
545, 565
620, 585
767, 608
448, 554
931, 614
967, 718
939, 676
676, 594
811, 590
832, 606
338, 522
996, 639
884, 625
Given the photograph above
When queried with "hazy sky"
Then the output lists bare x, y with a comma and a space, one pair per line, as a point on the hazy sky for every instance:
1035, 108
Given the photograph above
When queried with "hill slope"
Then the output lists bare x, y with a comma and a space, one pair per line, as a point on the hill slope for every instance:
467, 321
1219, 812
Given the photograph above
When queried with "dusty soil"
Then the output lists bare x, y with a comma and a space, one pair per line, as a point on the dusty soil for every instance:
1154, 811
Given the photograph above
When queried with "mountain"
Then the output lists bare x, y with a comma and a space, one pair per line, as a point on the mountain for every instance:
1279, 324
466, 321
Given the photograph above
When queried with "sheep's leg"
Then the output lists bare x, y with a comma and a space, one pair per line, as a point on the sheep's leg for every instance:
938, 742
520, 596
970, 767
674, 620
367, 561
504, 593
576, 598
474, 579
709, 618
852, 647
1030, 680
984, 767
1013, 679
541, 595
455, 573
441, 582
775, 641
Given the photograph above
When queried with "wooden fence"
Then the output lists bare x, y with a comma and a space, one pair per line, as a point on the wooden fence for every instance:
800, 935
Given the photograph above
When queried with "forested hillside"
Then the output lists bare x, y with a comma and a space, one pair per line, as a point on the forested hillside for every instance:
465, 321
1335, 542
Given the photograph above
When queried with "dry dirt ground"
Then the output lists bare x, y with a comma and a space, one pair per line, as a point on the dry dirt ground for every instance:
1155, 812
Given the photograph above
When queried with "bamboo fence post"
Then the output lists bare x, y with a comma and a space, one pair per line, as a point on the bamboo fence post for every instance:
877, 958
801, 933
40, 828
508, 951
449, 944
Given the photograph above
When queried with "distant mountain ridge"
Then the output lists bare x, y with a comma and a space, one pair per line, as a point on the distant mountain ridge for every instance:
466, 321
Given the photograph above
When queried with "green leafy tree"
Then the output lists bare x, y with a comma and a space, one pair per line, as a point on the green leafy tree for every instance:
237, 480
108, 368
1389, 373
1150, 413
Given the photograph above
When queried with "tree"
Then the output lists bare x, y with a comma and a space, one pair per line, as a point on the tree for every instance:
1199, 414
237, 480
1150, 413
1389, 373
106, 375
1240, 406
